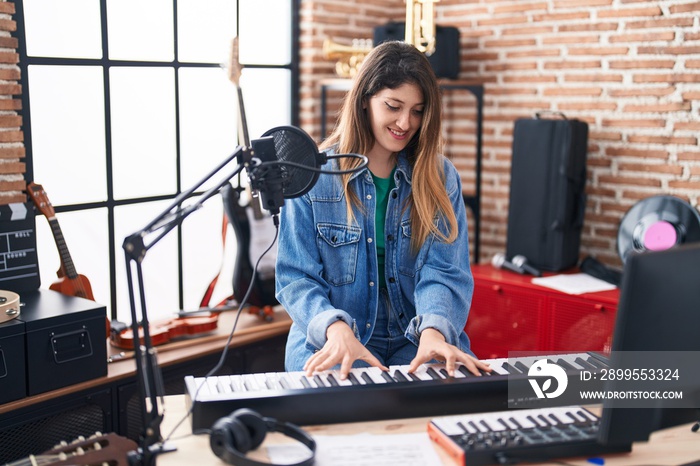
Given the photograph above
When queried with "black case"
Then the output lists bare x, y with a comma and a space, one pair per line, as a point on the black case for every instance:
65, 340
13, 385
547, 191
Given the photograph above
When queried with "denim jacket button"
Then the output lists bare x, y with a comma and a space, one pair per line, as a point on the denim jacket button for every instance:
390, 237
368, 325
369, 196
392, 280
371, 283
394, 195
369, 240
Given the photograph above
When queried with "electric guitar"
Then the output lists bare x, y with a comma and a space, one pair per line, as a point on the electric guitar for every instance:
237, 209
70, 282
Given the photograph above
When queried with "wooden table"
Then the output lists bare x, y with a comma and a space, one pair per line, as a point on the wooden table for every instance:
672, 446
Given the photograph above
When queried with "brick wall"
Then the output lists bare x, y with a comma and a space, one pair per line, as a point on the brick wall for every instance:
11, 137
631, 69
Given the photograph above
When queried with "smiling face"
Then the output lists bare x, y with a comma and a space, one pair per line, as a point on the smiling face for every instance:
395, 116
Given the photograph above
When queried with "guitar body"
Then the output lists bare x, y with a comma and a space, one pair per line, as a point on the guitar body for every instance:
263, 292
78, 286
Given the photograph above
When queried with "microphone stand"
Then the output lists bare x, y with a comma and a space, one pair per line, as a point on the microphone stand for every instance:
135, 248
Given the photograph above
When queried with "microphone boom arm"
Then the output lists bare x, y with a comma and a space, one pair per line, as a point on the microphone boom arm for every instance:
135, 248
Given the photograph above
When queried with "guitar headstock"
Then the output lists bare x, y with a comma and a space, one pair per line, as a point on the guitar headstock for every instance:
234, 65
41, 200
100, 448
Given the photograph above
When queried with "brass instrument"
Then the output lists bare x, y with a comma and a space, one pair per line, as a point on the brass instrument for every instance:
349, 56
420, 25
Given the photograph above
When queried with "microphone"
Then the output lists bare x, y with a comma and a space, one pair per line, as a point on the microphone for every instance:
500, 262
285, 164
521, 261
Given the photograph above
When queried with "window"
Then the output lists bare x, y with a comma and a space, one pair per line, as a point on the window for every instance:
127, 103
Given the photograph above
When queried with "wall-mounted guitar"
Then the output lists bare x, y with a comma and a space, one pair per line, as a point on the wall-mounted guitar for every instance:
262, 295
70, 282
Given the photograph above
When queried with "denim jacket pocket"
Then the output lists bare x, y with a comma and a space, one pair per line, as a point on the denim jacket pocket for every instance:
407, 259
338, 245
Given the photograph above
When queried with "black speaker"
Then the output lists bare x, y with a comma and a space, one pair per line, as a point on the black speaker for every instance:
244, 430
445, 60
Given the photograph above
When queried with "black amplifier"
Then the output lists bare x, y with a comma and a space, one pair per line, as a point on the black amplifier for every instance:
65, 339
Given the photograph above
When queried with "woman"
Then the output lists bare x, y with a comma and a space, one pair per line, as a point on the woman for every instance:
373, 267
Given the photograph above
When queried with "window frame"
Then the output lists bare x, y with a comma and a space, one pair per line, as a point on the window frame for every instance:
110, 204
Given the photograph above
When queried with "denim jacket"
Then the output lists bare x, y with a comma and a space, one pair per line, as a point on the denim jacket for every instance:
326, 267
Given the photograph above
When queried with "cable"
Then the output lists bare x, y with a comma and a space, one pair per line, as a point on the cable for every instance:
243, 303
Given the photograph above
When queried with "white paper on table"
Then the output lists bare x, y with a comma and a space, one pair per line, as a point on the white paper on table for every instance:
361, 450
575, 283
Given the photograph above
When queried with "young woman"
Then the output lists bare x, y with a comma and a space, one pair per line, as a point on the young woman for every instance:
373, 267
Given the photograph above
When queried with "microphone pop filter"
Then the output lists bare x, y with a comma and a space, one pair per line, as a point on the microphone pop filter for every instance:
294, 145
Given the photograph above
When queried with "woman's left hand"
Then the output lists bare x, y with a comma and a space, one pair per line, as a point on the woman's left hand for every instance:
433, 346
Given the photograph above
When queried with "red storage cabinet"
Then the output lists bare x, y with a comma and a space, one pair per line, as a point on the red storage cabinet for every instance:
509, 313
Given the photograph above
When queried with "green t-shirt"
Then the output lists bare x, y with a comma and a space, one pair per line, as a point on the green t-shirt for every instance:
383, 187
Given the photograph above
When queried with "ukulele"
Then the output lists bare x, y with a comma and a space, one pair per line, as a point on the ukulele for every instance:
70, 282
110, 449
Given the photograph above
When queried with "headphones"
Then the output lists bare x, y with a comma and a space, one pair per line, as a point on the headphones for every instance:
243, 430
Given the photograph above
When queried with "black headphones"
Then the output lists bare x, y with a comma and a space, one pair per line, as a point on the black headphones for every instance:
244, 429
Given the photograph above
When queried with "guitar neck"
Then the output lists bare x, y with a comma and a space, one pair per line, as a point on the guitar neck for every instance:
66, 260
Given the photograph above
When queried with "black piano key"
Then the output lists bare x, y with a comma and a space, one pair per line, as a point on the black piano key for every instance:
521, 367
573, 417
414, 377
319, 381
565, 364
432, 373
546, 421
304, 382
486, 425
353, 380
509, 368
284, 383
533, 420
515, 421
444, 373
554, 418
386, 376
398, 375
597, 362
474, 426
332, 380
462, 426
504, 423
585, 364
365, 376
463, 369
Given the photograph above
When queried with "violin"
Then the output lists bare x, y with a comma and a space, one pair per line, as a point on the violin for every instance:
163, 331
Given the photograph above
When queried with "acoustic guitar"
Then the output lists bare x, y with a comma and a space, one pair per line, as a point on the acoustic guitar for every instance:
70, 282
110, 449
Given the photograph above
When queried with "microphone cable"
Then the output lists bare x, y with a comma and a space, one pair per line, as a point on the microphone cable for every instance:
364, 162
224, 353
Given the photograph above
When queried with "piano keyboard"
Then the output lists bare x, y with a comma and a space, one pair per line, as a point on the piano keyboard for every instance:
368, 393
520, 435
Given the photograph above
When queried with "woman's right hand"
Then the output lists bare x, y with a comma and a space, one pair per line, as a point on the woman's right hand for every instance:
341, 348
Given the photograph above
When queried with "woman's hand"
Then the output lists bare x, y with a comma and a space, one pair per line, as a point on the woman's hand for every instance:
433, 346
341, 348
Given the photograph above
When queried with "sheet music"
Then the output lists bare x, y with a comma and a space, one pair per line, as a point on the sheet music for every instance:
361, 450
575, 283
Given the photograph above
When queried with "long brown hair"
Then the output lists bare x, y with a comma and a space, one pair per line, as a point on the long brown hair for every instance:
390, 65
